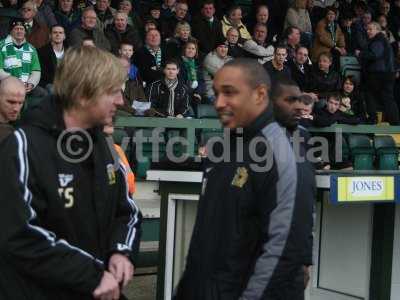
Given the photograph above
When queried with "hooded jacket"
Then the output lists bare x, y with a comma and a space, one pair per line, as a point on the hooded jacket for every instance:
378, 55
62, 216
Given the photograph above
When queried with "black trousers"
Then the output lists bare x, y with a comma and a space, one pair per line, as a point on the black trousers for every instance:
379, 87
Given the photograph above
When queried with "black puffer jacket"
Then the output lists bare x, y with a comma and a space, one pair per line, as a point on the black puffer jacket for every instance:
378, 56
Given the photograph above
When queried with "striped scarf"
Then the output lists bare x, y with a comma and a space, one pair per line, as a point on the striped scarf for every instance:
157, 56
171, 84
191, 68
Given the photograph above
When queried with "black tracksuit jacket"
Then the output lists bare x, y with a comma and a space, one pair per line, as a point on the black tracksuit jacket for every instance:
253, 231
60, 220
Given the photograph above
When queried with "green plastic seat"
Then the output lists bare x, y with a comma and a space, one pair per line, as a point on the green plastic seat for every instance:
119, 135
361, 151
206, 111
386, 152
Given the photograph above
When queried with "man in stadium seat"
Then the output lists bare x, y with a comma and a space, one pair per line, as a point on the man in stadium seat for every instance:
277, 67
180, 15
206, 27
120, 31
36, 33
51, 54
12, 97
18, 58
212, 63
169, 96
45, 13
67, 15
150, 58
69, 226
301, 69
104, 14
88, 29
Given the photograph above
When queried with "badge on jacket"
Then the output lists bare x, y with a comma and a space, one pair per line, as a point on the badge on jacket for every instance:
111, 174
240, 177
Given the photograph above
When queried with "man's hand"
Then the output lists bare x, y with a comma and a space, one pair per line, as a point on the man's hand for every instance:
108, 289
307, 275
28, 87
357, 53
121, 268
179, 116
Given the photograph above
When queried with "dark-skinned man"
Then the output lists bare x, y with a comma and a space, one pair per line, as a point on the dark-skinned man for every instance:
251, 231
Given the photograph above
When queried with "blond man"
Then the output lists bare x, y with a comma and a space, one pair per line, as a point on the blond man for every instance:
69, 227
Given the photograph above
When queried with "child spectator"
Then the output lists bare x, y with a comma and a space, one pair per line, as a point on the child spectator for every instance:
169, 96
331, 114
307, 117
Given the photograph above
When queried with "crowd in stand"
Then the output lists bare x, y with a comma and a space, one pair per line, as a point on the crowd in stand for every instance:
173, 49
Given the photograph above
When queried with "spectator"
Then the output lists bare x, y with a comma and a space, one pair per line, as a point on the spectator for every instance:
298, 17
331, 114
167, 9
360, 31
258, 47
235, 49
377, 61
155, 12
291, 38
262, 17
169, 96
276, 68
45, 13
328, 37
51, 54
212, 63
174, 46
394, 19
120, 31
349, 33
307, 117
233, 18
88, 29
149, 59
67, 16
134, 19
325, 80
12, 97
382, 21
168, 26
132, 90
351, 100
18, 58
191, 73
36, 33
206, 27
104, 13
384, 8
301, 70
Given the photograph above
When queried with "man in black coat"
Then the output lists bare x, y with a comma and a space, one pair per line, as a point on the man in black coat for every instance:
150, 58
206, 28
301, 70
120, 31
51, 54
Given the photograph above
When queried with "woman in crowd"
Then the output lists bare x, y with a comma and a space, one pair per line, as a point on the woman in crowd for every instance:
191, 72
351, 100
328, 37
174, 46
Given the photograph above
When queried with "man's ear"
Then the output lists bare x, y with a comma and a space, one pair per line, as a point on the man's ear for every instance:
261, 94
